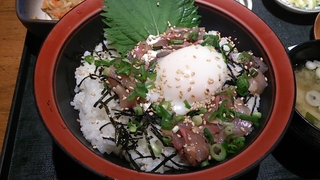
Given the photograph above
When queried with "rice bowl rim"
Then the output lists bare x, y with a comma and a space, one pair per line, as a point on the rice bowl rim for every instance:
257, 151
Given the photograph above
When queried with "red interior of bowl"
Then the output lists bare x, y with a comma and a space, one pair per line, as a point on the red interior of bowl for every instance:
284, 95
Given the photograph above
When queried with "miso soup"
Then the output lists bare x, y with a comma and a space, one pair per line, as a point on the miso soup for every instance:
308, 89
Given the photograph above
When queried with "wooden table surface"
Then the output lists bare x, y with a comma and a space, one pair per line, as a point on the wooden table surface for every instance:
12, 34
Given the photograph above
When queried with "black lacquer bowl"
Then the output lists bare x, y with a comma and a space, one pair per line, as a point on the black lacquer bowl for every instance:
299, 149
81, 30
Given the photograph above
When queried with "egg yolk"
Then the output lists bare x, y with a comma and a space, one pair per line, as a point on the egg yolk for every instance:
193, 74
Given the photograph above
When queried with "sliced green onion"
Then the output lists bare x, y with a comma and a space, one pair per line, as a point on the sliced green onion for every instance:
156, 149
244, 57
228, 130
239, 141
253, 119
139, 91
97, 63
124, 70
208, 135
213, 115
142, 74
107, 63
178, 118
132, 128
204, 163
149, 85
310, 117
229, 93
164, 113
166, 104
175, 42
254, 73
242, 85
202, 110
152, 76
138, 110
166, 124
186, 104
219, 112
117, 64
218, 152
197, 120
257, 114
167, 139
89, 59
211, 40
234, 145
193, 36
105, 85
152, 67
106, 71
134, 125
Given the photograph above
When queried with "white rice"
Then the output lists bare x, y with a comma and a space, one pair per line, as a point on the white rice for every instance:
92, 118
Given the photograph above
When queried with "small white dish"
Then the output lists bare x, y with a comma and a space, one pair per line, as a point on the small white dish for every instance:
284, 4
247, 3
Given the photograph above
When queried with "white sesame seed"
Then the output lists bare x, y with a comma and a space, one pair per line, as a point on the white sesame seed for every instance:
175, 129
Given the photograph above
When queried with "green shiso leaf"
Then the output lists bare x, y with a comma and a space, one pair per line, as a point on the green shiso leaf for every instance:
131, 21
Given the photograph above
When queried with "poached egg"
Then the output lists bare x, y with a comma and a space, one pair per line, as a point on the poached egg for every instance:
193, 74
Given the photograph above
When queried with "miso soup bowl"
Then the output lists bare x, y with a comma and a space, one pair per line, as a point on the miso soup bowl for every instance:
299, 150
82, 29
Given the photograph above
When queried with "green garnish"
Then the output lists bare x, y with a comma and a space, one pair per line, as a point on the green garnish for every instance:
234, 145
89, 59
254, 73
166, 124
167, 138
204, 163
193, 36
253, 118
132, 21
211, 40
218, 152
103, 62
138, 110
197, 120
224, 50
311, 118
164, 112
123, 67
244, 57
228, 130
134, 125
156, 149
202, 110
227, 114
139, 91
243, 85
175, 42
219, 113
186, 104
208, 135
178, 118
